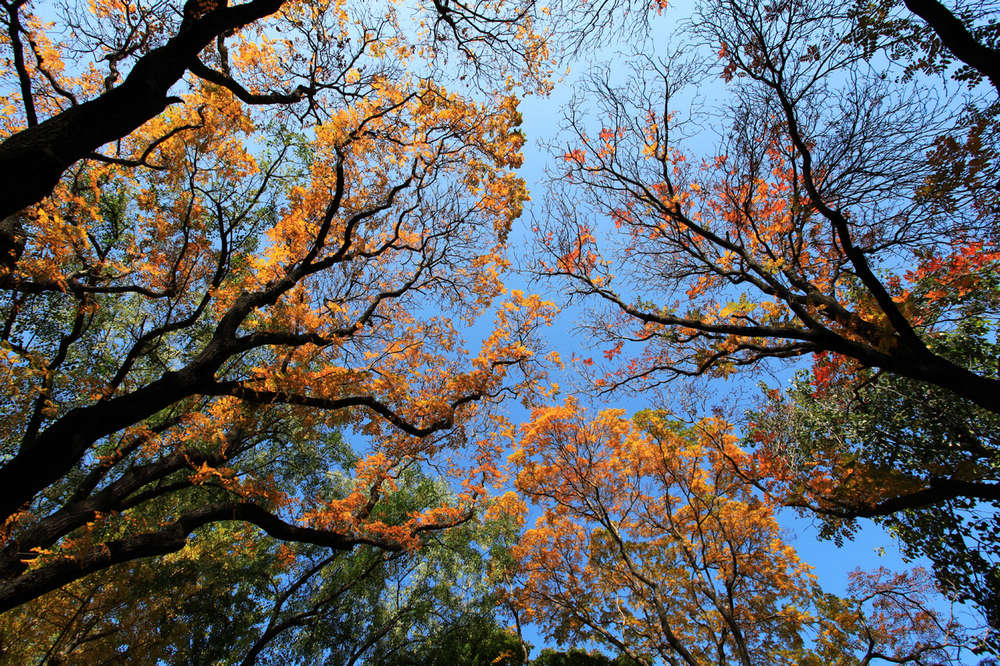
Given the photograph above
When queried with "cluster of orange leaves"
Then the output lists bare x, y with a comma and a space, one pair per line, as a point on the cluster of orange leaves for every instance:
636, 515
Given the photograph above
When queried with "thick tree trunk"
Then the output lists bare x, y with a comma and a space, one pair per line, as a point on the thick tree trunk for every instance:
35, 158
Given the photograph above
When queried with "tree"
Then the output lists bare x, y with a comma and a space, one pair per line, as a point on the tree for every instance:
234, 596
197, 606
650, 543
578, 657
481, 641
812, 226
56, 119
223, 285
907, 455
934, 36
377, 607
849, 213
161, 44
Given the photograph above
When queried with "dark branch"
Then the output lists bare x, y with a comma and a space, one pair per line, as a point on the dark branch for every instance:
200, 69
168, 539
35, 158
957, 38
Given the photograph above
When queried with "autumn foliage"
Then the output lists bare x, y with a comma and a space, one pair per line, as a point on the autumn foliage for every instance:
648, 541
834, 205
257, 331
220, 282
824, 220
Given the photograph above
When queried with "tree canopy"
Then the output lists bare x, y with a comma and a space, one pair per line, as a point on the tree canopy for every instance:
650, 543
221, 283
261, 357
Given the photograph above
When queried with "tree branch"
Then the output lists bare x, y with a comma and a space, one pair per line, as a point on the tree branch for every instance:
957, 38
200, 69
35, 158
168, 539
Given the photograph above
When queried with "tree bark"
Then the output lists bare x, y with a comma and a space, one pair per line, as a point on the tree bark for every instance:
957, 38
169, 539
35, 158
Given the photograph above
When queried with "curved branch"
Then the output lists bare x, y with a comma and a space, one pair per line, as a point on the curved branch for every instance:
168, 539
35, 158
937, 491
242, 391
200, 69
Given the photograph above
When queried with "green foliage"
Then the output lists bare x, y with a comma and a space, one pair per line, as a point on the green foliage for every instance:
929, 457
234, 595
198, 606
478, 640
578, 657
